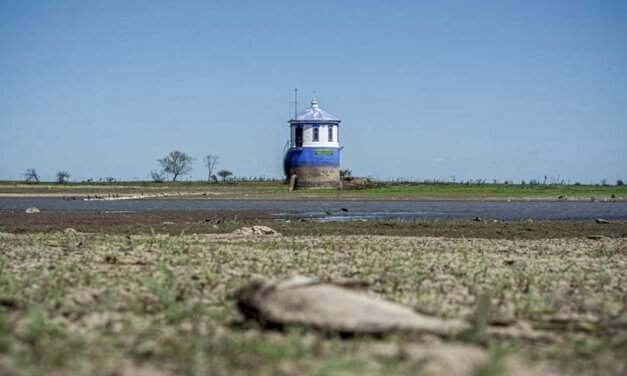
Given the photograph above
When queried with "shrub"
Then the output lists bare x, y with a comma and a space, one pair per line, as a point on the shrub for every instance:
157, 176
346, 173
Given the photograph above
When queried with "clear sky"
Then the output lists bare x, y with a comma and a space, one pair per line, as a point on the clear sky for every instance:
425, 89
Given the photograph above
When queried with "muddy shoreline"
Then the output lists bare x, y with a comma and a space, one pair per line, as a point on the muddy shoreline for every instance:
206, 222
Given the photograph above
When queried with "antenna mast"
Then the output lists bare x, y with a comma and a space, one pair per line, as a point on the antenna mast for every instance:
295, 103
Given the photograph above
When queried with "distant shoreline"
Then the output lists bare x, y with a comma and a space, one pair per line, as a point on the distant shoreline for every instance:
86, 197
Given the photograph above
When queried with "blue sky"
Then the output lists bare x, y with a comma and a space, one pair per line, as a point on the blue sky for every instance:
490, 89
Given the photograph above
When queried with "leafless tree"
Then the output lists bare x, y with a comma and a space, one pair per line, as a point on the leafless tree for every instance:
176, 163
210, 161
63, 177
31, 175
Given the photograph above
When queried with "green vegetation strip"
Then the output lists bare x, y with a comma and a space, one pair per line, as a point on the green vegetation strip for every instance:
98, 304
277, 190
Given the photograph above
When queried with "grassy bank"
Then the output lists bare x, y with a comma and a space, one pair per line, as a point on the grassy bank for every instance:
99, 304
277, 190
498, 191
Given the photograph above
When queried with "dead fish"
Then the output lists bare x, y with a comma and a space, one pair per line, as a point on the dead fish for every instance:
303, 301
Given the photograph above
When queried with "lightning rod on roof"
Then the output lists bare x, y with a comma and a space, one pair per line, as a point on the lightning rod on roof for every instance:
295, 103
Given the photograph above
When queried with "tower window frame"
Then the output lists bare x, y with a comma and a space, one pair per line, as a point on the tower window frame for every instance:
316, 134
298, 135
330, 134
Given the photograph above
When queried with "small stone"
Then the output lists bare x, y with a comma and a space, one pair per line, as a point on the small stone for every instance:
257, 230
70, 230
32, 210
602, 221
448, 359
597, 237
9, 302
110, 259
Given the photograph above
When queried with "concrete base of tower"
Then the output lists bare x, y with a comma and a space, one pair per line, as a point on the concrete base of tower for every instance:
316, 176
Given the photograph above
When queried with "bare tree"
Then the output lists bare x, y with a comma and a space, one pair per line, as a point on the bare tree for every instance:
31, 175
176, 163
63, 177
224, 174
210, 161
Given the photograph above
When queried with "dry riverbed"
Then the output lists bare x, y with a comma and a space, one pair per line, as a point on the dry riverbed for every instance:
158, 303
224, 222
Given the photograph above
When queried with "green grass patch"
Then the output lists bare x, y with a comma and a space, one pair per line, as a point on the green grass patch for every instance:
278, 190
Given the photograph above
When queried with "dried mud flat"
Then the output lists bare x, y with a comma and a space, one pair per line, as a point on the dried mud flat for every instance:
223, 222
159, 304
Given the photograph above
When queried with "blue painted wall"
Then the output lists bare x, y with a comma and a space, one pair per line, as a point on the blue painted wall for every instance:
299, 157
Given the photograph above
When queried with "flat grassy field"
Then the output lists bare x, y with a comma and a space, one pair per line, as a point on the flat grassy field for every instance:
276, 190
159, 304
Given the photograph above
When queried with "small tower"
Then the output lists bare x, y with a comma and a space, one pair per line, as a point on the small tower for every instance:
314, 153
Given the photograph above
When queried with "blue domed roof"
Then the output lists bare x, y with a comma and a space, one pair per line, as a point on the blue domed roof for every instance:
316, 114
